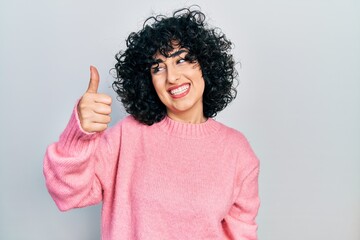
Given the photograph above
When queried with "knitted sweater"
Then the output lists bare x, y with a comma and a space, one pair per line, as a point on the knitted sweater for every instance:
170, 180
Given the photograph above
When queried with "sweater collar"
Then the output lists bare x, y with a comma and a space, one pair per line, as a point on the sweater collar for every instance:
188, 130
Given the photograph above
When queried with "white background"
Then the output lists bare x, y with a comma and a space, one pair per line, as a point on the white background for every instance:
298, 104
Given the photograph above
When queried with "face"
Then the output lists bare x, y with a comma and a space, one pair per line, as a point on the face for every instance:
180, 86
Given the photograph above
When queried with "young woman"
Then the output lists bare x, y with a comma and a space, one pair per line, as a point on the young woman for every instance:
169, 170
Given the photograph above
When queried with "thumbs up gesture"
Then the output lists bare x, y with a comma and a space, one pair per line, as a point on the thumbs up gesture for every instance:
94, 108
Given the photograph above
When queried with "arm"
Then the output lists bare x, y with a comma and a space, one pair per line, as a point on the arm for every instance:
71, 166
240, 222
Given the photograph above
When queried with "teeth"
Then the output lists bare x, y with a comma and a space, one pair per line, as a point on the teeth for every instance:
179, 90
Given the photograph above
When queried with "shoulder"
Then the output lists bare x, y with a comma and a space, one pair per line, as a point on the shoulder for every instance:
130, 121
239, 144
232, 134
128, 125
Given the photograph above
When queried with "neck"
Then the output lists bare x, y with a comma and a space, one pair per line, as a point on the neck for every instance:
187, 118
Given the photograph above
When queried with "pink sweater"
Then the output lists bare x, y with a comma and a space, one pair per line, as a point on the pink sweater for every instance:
166, 181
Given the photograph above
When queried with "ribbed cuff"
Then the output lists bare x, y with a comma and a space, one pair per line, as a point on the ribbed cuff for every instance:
74, 140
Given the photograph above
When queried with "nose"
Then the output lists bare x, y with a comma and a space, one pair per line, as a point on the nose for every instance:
173, 74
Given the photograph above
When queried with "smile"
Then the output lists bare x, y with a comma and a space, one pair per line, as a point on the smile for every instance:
179, 91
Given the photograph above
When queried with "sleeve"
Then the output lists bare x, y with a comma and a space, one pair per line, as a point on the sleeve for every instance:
239, 223
74, 166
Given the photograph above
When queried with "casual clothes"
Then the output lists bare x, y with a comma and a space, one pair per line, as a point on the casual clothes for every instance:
170, 180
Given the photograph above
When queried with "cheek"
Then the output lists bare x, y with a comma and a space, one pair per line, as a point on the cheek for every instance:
159, 89
200, 81
195, 74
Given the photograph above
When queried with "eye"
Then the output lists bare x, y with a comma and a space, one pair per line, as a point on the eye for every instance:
184, 57
181, 60
156, 68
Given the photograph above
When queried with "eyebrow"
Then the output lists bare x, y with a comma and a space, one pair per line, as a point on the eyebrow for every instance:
177, 53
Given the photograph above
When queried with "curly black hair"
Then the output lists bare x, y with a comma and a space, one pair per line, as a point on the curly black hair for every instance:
208, 46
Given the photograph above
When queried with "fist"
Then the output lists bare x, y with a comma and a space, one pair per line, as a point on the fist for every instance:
94, 108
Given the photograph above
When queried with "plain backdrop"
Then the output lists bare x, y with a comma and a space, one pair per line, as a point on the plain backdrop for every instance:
298, 104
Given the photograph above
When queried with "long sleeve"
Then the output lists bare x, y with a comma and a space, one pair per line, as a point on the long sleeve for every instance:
240, 222
179, 174
70, 166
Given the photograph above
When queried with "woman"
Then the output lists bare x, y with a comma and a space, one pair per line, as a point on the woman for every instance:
167, 171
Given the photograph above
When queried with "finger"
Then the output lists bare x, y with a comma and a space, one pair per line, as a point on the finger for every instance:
102, 109
95, 127
98, 127
94, 80
103, 98
100, 118
96, 98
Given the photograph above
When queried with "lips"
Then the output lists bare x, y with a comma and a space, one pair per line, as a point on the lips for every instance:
179, 91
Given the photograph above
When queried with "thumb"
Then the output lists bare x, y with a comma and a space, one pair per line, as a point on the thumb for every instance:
94, 80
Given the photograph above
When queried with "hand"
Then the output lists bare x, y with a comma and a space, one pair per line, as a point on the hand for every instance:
94, 109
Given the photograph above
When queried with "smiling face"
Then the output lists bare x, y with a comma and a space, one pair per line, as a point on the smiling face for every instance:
180, 85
